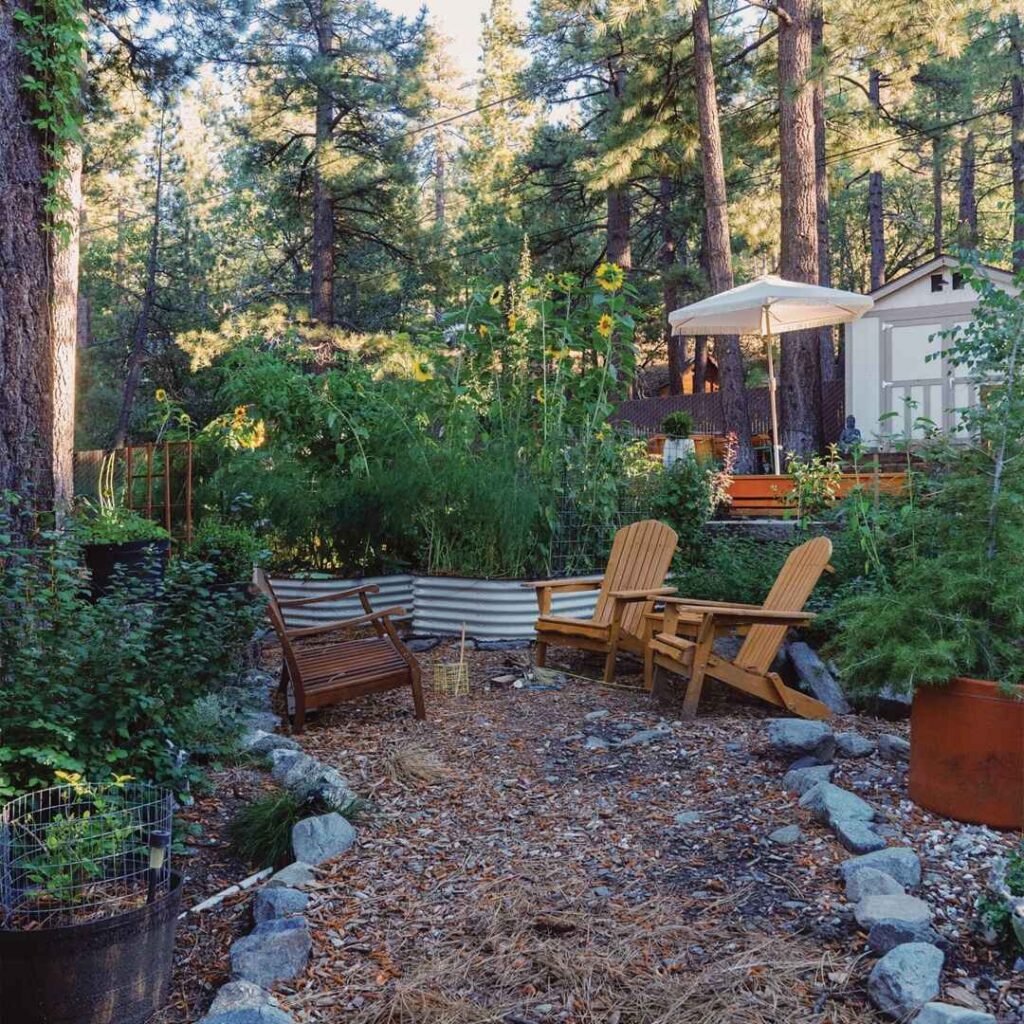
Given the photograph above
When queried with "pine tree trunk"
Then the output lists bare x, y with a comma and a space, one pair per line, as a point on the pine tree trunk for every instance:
967, 218
700, 364
876, 208
64, 312
800, 370
675, 344
322, 283
937, 175
717, 248
27, 456
1017, 140
619, 205
829, 367
140, 334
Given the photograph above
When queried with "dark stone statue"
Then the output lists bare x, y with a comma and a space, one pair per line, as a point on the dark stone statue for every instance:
850, 437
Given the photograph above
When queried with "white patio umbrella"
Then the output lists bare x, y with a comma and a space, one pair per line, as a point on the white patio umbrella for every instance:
768, 306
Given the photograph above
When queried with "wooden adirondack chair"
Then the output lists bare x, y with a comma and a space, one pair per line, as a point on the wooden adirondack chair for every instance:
640, 558
701, 621
344, 670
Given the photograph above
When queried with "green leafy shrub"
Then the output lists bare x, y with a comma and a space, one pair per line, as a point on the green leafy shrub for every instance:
678, 424
210, 728
682, 497
232, 550
104, 687
116, 525
993, 912
731, 567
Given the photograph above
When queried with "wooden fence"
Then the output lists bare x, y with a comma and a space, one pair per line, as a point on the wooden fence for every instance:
767, 494
154, 480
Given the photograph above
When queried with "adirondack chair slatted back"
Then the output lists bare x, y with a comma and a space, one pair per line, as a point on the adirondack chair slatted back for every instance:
260, 578
789, 593
640, 559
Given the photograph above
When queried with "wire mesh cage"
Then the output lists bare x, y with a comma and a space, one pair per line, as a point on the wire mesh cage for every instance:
81, 852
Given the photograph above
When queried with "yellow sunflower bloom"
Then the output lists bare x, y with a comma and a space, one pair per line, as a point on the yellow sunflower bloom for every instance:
610, 277
239, 412
160, 395
421, 371
605, 326
495, 299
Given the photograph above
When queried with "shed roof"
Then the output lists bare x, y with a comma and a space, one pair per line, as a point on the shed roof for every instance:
937, 263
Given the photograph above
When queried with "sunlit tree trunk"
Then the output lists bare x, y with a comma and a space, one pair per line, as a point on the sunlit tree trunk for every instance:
675, 344
800, 371
876, 199
967, 218
717, 249
322, 306
619, 205
829, 365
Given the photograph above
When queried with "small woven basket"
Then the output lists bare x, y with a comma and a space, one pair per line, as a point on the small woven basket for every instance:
452, 678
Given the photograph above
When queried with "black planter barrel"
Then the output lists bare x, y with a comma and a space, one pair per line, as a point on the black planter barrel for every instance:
113, 971
144, 560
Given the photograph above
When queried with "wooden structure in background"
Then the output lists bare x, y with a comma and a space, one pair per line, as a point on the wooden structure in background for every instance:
685, 642
154, 480
327, 673
639, 561
766, 495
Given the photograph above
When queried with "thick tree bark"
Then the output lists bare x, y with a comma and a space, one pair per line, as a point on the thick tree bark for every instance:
675, 344
700, 364
619, 204
717, 248
876, 200
800, 385
28, 456
1017, 140
64, 312
967, 218
322, 275
140, 333
829, 366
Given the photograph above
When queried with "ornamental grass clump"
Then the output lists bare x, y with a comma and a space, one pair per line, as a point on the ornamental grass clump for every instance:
948, 597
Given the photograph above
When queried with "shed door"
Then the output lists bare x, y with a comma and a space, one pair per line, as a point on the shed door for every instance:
920, 391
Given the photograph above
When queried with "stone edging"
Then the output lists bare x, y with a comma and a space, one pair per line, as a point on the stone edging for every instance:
905, 979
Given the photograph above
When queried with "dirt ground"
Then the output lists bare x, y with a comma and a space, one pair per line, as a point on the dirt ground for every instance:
512, 868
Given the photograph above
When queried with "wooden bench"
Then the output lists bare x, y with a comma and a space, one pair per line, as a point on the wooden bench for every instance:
327, 673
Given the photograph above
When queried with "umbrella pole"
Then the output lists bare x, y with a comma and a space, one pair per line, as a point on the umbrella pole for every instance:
772, 402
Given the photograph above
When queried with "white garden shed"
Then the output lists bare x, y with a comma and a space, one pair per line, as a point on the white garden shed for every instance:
887, 369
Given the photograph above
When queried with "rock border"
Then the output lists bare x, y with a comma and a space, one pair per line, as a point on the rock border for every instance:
905, 981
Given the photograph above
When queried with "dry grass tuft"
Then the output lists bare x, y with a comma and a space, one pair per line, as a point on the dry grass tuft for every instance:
521, 955
408, 763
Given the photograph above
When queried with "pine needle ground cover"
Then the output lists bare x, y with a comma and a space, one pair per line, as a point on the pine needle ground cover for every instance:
505, 873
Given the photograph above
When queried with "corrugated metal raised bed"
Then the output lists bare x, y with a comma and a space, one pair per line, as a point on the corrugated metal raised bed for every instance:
490, 609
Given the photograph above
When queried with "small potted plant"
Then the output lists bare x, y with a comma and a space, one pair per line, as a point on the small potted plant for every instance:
943, 613
232, 550
678, 444
88, 903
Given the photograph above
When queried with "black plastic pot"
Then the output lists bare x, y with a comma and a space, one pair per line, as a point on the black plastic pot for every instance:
113, 971
144, 560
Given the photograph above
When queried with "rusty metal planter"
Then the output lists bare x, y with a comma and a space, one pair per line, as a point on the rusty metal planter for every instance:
112, 971
967, 753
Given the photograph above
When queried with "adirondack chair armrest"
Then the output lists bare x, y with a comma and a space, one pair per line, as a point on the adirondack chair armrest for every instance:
573, 583
337, 595
385, 614
641, 595
689, 602
763, 616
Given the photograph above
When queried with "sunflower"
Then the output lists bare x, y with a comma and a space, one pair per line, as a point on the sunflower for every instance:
483, 330
610, 277
421, 370
495, 299
605, 326
239, 412
160, 395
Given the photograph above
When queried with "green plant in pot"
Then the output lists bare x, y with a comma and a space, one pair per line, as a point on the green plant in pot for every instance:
678, 443
232, 550
117, 540
942, 616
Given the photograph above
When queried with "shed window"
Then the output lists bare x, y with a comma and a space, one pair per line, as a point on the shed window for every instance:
958, 281
938, 282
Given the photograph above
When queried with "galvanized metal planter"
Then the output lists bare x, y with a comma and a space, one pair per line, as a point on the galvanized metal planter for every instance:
440, 605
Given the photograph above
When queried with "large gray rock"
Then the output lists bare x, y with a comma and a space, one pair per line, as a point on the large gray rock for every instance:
308, 779
799, 780
260, 742
905, 979
889, 934
240, 995
906, 909
858, 836
294, 876
797, 737
830, 804
273, 951
322, 838
898, 861
251, 1015
946, 1013
852, 744
894, 748
871, 882
815, 677
278, 901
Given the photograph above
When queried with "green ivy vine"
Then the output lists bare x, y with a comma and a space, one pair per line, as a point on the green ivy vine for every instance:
53, 35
